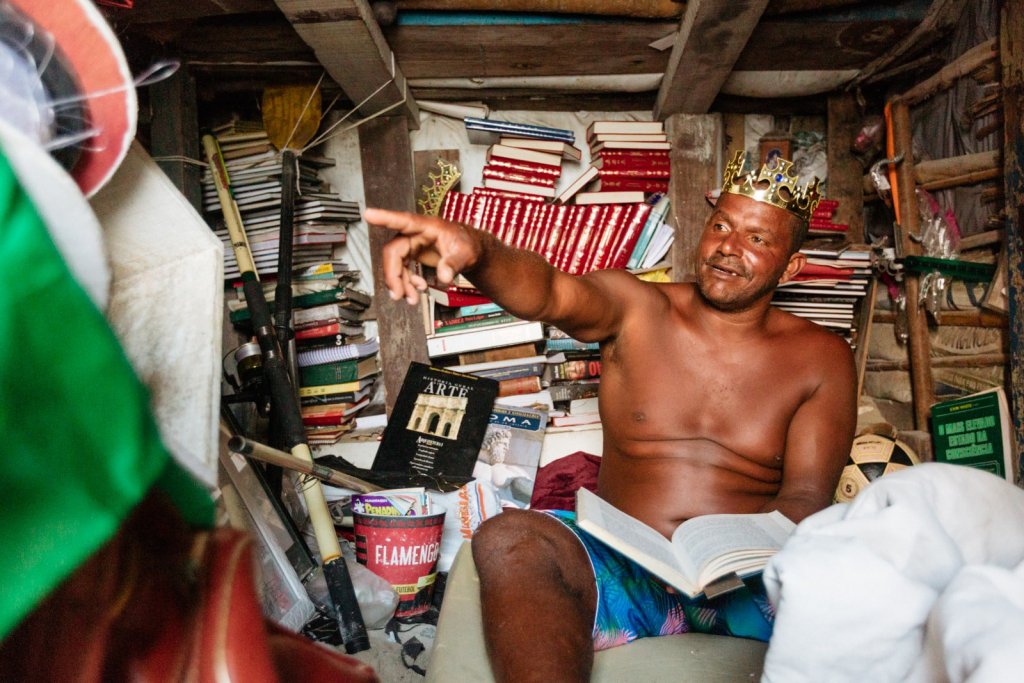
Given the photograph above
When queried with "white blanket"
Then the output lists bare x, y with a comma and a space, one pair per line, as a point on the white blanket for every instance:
919, 579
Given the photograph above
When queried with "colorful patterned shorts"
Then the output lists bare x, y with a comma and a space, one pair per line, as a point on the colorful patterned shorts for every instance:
632, 603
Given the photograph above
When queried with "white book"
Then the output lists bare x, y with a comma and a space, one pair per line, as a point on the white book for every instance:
485, 338
706, 554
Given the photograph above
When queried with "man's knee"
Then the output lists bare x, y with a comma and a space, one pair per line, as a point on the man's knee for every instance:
523, 537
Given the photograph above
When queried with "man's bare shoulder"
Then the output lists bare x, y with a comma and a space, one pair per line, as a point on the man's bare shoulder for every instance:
623, 283
818, 345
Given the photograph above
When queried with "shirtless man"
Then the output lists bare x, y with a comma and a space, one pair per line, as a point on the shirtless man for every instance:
712, 401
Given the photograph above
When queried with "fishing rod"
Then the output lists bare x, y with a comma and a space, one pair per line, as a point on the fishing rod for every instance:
286, 406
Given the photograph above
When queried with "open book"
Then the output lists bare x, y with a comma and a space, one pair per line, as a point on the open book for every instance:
707, 554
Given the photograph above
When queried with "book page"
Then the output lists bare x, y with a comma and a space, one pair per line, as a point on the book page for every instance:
703, 539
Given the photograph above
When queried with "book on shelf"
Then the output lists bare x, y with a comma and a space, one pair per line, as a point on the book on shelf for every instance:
589, 368
540, 400
472, 322
455, 296
645, 185
488, 131
437, 423
611, 159
521, 154
474, 340
567, 391
359, 390
513, 176
600, 147
498, 364
498, 163
618, 197
628, 137
708, 555
334, 354
524, 188
656, 218
565, 149
511, 371
582, 180
331, 414
504, 353
510, 453
334, 328
975, 430
340, 372
325, 313
625, 127
513, 386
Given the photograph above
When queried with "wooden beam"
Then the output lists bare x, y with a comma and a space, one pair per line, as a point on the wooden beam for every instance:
948, 75
697, 142
711, 36
844, 171
977, 360
975, 318
174, 133
918, 343
386, 154
347, 40
1011, 51
941, 17
619, 47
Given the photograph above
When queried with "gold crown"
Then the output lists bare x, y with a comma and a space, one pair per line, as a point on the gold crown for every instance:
775, 184
438, 187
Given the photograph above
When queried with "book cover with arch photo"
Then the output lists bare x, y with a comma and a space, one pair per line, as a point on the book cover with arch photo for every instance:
437, 424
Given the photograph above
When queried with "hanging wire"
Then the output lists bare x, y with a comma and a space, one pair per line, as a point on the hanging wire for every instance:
305, 108
329, 133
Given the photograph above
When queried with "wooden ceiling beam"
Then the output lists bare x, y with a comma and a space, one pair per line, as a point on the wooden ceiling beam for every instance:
711, 36
348, 42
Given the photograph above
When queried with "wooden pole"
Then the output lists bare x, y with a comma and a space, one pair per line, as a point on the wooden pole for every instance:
386, 154
844, 171
921, 381
948, 75
981, 360
979, 318
696, 152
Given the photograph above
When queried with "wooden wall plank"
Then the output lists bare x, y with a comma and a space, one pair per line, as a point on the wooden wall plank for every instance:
1011, 51
785, 45
386, 155
711, 37
697, 141
174, 132
844, 171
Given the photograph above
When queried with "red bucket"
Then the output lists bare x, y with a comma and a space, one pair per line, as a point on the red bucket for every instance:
403, 551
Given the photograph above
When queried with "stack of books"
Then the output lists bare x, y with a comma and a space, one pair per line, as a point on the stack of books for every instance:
524, 161
832, 285
630, 157
821, 224
254, 167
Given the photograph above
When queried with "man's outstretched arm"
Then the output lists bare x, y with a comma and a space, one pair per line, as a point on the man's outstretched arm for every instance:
589, 307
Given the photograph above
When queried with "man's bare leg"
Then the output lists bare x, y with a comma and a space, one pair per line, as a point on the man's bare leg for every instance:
538, 598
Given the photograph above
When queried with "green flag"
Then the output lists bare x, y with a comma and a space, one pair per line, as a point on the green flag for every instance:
80, 447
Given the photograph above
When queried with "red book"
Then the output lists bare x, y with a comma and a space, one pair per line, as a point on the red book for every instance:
520, 222
553, 237
824, 271
603, 236
318, 331
519, 177
642, 184
570, 235
581, 245
490, 192
657, 172
832, 204
823, 212
631, 156
524, 167
519, 385
618, 255
456, 296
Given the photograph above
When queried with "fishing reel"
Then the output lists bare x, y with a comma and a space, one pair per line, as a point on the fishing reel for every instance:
246, 378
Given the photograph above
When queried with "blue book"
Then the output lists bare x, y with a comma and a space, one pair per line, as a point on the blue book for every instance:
477, 309
655, 219
488, 131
